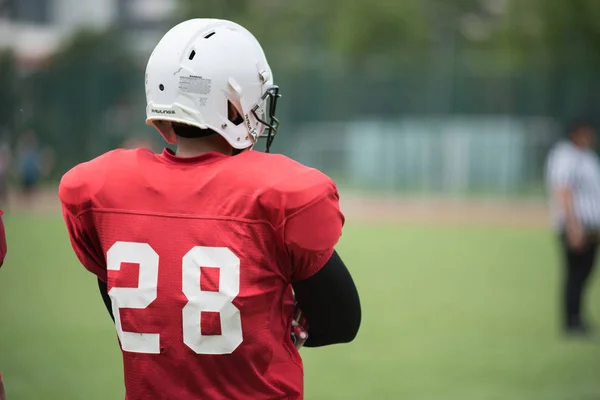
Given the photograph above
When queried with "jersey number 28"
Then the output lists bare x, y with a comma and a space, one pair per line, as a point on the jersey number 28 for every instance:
198, 300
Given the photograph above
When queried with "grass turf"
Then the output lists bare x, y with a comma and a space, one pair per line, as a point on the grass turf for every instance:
449, 313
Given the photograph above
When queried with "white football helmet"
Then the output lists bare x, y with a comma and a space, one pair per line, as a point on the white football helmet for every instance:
201, 67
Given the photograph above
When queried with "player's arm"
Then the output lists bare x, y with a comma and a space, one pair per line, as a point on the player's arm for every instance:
2, 393
103, 287
86, 249
564, 197
323, 286
87, 252
74, 195
561, 177
330, 303
3, 247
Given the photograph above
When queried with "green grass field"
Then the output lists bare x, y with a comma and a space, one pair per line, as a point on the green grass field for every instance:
449, 313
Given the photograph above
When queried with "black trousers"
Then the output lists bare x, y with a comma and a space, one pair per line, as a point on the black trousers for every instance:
578, 267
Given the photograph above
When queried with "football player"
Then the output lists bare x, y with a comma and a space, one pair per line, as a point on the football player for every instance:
202, 253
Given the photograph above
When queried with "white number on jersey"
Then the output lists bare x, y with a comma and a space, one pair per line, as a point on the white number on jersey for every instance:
198, 300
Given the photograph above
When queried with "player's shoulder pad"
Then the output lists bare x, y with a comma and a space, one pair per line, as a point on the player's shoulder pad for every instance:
289, 186
79, 185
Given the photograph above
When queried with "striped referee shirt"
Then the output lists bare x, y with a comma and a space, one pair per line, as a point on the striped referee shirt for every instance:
569, 166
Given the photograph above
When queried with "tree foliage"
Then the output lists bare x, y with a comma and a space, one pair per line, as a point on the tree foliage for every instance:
350, 30
9, 95
406, 56
355, 31
72, 96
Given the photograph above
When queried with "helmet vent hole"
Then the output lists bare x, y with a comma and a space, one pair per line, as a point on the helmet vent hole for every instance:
192, 55
209, 35
233, 114
161, 87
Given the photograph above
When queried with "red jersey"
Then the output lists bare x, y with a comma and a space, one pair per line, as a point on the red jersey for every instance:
2, 240
199, 255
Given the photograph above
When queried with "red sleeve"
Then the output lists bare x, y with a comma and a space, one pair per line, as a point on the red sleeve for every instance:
84, 247
3, 248
311, 233
75, 193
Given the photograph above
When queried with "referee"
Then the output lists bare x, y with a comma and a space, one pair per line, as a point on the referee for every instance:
573, 179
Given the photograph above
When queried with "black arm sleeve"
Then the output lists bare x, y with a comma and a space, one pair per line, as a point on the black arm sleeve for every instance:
106, 298
330, 303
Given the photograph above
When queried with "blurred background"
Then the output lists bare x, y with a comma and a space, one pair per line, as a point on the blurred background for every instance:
428, 96
433, 116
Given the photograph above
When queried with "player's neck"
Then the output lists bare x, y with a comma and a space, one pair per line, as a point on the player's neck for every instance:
187, 148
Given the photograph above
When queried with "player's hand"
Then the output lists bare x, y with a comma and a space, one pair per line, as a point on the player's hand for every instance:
299, 332
2, 394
